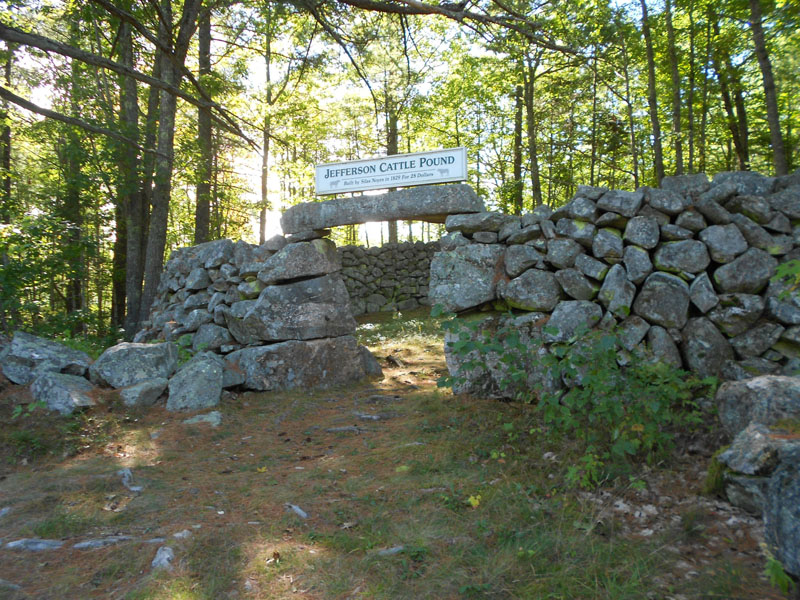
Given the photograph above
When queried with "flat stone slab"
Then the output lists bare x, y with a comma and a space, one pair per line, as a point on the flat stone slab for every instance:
432, 203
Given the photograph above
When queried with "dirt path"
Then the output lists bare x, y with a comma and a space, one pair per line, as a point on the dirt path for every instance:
387, 490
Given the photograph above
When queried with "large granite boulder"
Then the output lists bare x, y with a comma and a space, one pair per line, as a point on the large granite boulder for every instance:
617, 292
748, 274
28, 356
766, 400
663, 300
423, 203
307, 309
62, 393
704, 348
303, 259
568, 317
302, 364
534, 290
467, 276
127, 363
197, 384
475, 222
688, 256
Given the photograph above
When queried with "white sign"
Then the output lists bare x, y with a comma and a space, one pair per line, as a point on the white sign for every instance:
399, 170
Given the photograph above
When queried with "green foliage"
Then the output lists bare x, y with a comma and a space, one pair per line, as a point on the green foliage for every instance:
776, 575
715, 476
618, 415
20, 410
790, 273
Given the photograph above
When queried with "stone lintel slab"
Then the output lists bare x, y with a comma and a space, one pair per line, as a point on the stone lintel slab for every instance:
432, 203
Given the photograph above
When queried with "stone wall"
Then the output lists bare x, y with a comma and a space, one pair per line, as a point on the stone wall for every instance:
389, 277
685, 270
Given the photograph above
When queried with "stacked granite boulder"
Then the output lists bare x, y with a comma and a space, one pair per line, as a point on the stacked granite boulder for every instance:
269, 317
387, 278
685, 270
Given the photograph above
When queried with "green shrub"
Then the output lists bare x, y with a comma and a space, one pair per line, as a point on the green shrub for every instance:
617, 414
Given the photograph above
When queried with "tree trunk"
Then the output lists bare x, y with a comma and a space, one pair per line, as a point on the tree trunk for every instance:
5, 146
265, 203
157, 231
593, 142
704, 101
516, 198
690, 98
658, 154
629, 111
530, 121
203, 190
773, 118
676, 89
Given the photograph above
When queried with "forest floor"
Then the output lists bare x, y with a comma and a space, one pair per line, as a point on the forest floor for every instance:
407, 492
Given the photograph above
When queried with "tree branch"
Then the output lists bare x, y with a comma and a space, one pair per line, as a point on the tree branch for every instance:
51, 114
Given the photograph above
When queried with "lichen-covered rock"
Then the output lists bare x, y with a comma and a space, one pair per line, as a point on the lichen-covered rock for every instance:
666, 200
753, 451
465, 277
663, 347
692, 220
62, 393
28, 356
702, 293
642, 231
562, 253
126, 364
747, 274
624, 203
787, 201
764, 400
520, 258
210, 337
576, 285
581, 231
569, 316
637, 263
663, 300
607, 245
688, 256
686, 185
724, 242
526, 234
534, 290
591, 267
197, 384
197, 279
632, 331
757, 340
736, 313
753, 207
617, 292
782, 512
745, 182
704, 348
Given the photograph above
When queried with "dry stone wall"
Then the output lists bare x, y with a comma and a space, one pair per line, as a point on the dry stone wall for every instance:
684, 270
387, 278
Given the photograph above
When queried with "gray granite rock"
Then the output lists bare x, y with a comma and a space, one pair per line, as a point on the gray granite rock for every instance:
28, 356
724, 242
534, 290
451, 241
607, 245
663, 347
34, 545
668, 201
764, 400
423, 203
144, 393
782, 305
213, 418
663, 300
689, 256
748, 274
196, 319
711, 208
692, 220
485, 237
304, 259
637, 263
210, 337
479, 221
581, 231
520, 258
642, 231
744, 182
62, 393
746, 492
126, 364
756, 236
702, 293
576, 285
757, 340
736, 313
673, 233
197, 279
568, 317
611, 219
591, 267
632, 331
754, 207
624, 203
782, 512
197, 384
300, 364
582, 209
526, 234
465, 277
787, 201
686, 185
562, 253
617, 292
753, 451
704, 348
